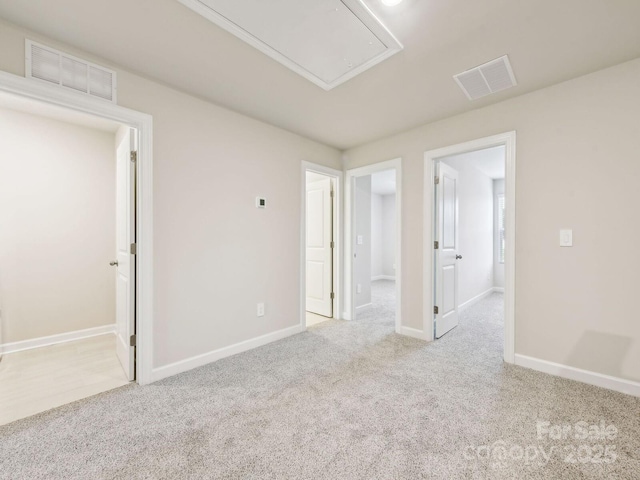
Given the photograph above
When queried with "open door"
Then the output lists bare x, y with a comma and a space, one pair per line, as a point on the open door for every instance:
446, 251
319, 295
125, 245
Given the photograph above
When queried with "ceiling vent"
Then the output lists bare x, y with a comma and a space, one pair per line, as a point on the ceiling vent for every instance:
327, 42
491, 77
55, 67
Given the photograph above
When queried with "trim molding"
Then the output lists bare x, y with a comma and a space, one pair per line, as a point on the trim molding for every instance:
476, 299
419, 334
53, 95
55, 339
337, 267
383, 277
349, 237
621, 385
357, 8
215, 355
366, 306
507, 139
412, 332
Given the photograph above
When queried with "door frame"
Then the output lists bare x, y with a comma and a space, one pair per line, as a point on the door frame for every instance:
394, 164
143, 123
336, 268
508, 140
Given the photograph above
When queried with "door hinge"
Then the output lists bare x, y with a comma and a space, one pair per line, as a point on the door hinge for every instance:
332, 245
134, 249
332, 193
132, 340
436, 245
333, 295
436, 180
134, 156
435, 310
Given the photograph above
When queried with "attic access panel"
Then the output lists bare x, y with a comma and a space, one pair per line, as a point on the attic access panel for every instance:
326, 41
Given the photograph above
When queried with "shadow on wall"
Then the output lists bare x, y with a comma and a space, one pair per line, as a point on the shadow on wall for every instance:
603, 353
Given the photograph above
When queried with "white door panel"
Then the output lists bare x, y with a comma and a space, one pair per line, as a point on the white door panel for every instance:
125, 236
315, 280
449, 212
448, 289
446, 255
319, 254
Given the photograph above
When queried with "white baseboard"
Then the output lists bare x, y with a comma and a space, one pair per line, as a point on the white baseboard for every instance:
592, 378
498, 289
55, 339
475, 299
411, 332
383, 277
209, 357
364, 307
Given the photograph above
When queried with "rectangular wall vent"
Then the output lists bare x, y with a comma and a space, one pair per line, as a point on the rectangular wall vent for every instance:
58, 68
491, 77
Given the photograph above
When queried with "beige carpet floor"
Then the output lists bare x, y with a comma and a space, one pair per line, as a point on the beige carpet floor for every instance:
345, 400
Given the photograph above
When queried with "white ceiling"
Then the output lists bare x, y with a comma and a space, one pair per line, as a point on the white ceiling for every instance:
489, 161
327, 42
383, 183
547, 41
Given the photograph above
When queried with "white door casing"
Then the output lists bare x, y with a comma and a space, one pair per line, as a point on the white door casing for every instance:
446, 256
125, 236
319, 251
508, 139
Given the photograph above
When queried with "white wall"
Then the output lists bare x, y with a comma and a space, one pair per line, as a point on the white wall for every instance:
475, 227
383, 240
498, 268
389, 235
376, 236
574, 306
362, 262
215, 254
57, 227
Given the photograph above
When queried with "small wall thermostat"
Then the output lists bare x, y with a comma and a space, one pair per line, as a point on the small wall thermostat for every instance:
261, 202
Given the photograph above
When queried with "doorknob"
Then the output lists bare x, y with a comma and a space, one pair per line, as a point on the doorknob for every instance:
458, 257
114, 263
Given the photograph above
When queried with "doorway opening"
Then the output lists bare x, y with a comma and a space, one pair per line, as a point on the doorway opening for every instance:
469, 252
374, 246
68, 250
320, 276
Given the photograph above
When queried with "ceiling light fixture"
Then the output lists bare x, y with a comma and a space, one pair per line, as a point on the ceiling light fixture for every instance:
391, 3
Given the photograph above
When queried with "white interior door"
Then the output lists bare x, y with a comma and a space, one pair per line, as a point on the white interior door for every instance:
126, 265
319, 248
446, 255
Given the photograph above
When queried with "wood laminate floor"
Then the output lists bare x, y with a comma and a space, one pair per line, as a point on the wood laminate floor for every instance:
36, 380
314, 319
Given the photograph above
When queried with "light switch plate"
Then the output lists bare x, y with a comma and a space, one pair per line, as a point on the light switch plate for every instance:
566, 238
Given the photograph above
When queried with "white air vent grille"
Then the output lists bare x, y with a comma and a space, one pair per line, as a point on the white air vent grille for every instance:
491, 77
58, 68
